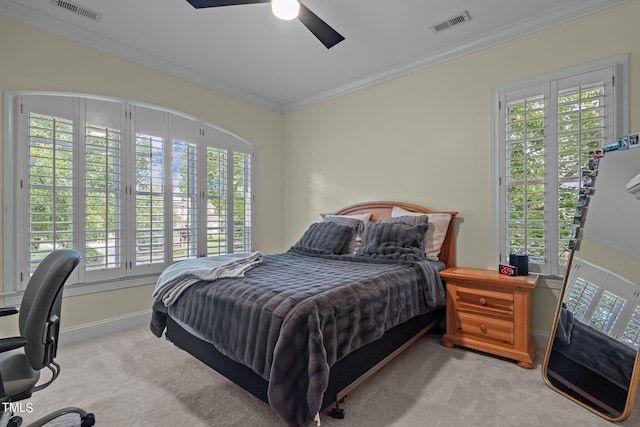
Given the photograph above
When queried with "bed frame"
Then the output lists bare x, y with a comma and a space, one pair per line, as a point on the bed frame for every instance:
354, 368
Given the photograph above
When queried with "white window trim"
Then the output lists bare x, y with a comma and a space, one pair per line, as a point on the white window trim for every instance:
621, 64
12, 134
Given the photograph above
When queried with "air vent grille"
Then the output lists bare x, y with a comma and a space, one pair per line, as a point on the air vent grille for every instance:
77, 9
458, 19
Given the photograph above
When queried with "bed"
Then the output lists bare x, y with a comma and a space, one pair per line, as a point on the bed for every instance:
301, 329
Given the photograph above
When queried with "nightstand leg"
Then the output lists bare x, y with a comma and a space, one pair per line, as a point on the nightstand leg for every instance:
526, 365
447, 343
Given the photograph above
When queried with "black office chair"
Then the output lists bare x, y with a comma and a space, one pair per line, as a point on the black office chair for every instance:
22, 358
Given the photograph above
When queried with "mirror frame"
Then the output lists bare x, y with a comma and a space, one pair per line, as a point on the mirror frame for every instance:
635, 375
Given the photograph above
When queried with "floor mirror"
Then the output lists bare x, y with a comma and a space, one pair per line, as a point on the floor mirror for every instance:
592, 353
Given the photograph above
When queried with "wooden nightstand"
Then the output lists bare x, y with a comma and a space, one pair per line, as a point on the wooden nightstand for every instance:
490, 312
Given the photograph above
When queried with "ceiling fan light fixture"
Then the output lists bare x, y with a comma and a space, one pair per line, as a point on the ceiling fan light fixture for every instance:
285, 9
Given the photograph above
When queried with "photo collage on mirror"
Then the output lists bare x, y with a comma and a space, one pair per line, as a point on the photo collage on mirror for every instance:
589, 176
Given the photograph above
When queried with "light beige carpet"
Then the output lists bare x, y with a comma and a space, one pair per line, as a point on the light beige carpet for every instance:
136, 379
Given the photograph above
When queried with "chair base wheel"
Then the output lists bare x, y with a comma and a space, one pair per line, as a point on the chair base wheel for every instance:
88, 420
14, 422
337, 413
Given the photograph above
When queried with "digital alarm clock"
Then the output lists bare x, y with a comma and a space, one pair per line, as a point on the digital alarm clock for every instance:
508, 270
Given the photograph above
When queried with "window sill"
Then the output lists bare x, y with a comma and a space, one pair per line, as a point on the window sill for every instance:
15, 298
550, 282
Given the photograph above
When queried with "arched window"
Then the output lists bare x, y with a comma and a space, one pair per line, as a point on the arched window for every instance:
133, 187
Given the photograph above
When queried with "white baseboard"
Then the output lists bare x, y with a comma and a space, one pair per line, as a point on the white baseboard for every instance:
89, 331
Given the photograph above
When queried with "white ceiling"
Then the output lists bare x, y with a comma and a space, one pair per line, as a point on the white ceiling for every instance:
246, 52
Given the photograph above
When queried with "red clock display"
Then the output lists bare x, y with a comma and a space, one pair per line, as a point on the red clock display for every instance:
508, 270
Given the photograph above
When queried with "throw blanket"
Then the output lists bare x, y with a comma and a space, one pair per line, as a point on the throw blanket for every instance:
294, 316
176, 278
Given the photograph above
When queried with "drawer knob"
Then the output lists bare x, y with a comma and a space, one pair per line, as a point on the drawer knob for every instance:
483, 301
483, 328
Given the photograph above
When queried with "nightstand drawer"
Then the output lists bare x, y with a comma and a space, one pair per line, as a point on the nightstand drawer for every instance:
484, 301
499, 330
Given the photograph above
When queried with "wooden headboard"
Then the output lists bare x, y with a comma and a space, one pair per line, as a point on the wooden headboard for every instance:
383, 210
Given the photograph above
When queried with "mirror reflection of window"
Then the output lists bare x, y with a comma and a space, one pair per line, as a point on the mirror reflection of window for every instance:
580, 297
604, 301
631, 334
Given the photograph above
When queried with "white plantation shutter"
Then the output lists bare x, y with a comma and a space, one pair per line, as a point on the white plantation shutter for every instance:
103, 176
580, 297
184, 172
242, 201
545, 130
228, 193
582, 127
52, 142
149, 189
631, 333
525, 177
133, 188
216, 194
217, 201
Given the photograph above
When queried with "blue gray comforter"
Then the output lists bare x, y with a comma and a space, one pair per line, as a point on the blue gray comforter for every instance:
295, 315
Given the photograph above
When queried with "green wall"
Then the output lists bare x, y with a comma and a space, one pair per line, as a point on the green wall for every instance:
33, 59
425, 137
422, 138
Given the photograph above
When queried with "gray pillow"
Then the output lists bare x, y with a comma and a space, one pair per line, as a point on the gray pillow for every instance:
357, 227
324, 238
407, 219
411, 220
393, 240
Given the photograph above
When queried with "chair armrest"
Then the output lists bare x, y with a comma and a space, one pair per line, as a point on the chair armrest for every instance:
12, 343
7, 311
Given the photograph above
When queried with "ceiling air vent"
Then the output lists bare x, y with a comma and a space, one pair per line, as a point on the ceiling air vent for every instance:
460, 18
77, 9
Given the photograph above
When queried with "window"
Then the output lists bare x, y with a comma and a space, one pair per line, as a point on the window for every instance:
543, 130
604, 301
133, 188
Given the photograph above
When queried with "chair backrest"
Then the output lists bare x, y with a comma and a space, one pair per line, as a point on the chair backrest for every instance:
39, 320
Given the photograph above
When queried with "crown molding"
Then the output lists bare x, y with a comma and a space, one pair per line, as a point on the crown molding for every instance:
40, 20
573, 10
576, 9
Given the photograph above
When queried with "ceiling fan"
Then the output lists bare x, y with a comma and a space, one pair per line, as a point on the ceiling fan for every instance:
286, 9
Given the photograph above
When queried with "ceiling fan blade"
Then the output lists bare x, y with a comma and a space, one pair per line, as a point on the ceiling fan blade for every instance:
323, 32
199, 4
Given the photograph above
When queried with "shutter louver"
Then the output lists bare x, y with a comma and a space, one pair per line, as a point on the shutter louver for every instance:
184, 174
149, 206
631, 334
580, 297
525, 172
216, 199
242, 202
103, 197
50, 186
581, 129
607, 311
